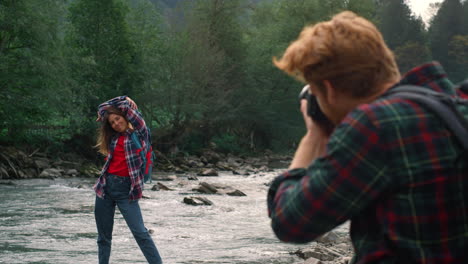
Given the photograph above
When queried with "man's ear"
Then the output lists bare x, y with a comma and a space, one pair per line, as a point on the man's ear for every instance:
331, 93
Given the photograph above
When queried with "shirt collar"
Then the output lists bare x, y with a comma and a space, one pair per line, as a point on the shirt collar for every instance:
424, 74
431, 75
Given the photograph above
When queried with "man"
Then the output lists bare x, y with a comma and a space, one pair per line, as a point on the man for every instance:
389, 166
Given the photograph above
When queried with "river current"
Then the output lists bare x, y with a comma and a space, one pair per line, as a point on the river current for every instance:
52, 221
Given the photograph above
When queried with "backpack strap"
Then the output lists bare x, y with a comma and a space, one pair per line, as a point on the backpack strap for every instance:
136, 139
148, 156
442, 105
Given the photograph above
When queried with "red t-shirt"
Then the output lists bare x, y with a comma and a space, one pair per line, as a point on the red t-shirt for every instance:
118, 165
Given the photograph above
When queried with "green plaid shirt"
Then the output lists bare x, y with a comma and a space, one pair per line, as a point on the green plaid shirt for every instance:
391, 168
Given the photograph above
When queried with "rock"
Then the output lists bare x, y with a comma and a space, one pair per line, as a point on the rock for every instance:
208, 172
209, 156
236, 193
66, 164
343, 260
194, 162
264, 169
159, 186
89, 170
3, 172
312, 261
278, 164
180, 170
146, 197
197, 201
223, 166
345, 247
31, 173
318, 252
51, 173
234, 162
22, 174
192, 178
330, 237
72, 172
164, 177
42, 163
241, 172
206, 188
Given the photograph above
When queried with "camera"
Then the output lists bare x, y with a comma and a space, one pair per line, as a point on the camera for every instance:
313, 109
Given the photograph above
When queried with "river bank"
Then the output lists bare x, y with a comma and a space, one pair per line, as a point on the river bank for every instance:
18, 164
212, 177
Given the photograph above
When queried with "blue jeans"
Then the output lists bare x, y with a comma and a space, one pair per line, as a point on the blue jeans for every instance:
116, 193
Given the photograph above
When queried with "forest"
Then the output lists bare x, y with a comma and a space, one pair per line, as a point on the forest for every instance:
200, 71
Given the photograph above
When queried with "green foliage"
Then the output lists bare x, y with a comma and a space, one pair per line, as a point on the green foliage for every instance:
446, 24
228, 143
458, 55
30, 64
200, 70
410, 54
104, 58
193, 143
398, 25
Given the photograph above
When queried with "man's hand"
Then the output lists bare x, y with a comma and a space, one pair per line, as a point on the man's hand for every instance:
313, 144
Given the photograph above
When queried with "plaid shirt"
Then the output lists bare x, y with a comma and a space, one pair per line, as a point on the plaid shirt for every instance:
390, 167
132, 155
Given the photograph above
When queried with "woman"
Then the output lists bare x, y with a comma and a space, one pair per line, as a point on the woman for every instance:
121, 180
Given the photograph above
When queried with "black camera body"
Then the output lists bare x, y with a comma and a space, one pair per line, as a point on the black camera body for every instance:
313, 109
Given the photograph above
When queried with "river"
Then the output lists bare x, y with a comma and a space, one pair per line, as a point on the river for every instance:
52, 221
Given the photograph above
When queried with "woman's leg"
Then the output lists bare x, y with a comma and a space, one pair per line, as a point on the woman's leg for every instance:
131, 212
104, 211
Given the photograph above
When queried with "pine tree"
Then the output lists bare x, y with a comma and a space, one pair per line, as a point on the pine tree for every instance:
446, 24
398, 25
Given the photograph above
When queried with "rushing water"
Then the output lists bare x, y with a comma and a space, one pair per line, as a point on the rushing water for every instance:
52, 221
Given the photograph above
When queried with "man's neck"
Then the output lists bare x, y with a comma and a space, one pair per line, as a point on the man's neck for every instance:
351, 103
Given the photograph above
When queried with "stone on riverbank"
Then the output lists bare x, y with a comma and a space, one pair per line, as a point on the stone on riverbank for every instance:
197, 201
208, 172
160, 187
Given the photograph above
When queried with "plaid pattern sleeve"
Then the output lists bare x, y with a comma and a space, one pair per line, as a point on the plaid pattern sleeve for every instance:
391, 168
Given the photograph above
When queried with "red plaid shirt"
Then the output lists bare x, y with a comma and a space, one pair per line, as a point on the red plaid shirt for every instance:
391, 168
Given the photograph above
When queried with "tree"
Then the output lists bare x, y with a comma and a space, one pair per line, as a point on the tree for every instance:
411, 54
102, 56
365, 8
458, 55
398, 25
445, 25
147, 36
31, 67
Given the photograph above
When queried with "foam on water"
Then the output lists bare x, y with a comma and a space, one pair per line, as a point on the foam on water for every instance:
52, 221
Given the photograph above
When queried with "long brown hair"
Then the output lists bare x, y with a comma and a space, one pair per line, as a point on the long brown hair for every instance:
106, 132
